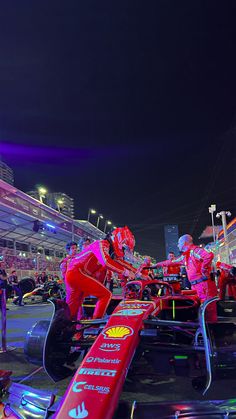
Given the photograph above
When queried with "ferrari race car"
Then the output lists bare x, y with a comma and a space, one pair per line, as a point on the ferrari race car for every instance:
152, 322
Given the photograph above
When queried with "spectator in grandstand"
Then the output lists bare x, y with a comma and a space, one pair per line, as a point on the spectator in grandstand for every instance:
198, 266
13, 280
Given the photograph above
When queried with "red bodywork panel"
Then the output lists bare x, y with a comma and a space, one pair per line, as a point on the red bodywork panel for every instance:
95, 389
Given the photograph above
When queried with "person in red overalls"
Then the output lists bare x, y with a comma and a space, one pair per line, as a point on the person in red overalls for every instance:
72, 249
172, 272
227, 277
144, 273
172, 269
198, 266
82, 276
86, 243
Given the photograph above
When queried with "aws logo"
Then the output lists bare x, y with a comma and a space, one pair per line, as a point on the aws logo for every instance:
110, 347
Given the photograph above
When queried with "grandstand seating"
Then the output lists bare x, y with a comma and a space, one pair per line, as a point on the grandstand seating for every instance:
27, 263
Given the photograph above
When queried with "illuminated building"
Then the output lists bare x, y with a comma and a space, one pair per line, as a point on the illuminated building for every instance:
61, 202
171, 239
6, 173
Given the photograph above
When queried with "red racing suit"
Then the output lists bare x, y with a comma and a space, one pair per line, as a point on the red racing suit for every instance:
197, 262
63, 268
83, 277
145, 273
226, 278
171, 270
64, 264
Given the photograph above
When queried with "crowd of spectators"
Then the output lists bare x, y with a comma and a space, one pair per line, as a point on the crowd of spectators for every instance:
27, 263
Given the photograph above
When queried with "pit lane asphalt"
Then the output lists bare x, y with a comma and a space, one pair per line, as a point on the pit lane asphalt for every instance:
166, 388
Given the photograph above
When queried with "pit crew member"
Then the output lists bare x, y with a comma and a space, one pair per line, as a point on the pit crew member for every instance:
227, 277
198, 266
82, 276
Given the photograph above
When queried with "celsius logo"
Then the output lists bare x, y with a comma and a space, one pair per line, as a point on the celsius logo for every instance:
76, 386
110, 347
99, 389
118, 332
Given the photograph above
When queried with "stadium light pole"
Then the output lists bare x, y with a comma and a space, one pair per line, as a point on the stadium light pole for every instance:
212, 209
223, 215
42, 193
100, 217
106, 224
91, 211
59, 203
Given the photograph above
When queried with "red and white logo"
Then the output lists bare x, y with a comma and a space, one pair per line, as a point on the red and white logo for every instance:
117, 332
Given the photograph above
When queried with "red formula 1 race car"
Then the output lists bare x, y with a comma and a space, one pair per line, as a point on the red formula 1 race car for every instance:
151, 322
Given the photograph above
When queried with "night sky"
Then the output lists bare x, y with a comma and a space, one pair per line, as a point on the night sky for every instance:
129, 107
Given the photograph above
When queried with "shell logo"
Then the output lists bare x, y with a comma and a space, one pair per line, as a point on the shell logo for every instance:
117, 332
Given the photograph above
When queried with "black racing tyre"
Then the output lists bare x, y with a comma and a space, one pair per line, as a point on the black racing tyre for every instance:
27, 284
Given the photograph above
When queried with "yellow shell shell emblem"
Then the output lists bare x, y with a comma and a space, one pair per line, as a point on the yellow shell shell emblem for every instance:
117, 332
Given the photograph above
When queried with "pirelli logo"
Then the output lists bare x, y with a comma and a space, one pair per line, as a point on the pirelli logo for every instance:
97, 371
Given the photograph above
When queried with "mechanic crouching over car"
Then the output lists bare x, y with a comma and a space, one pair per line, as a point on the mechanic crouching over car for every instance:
198, 266
83, 270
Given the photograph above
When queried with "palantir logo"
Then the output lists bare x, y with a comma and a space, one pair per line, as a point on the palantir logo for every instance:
79, 412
